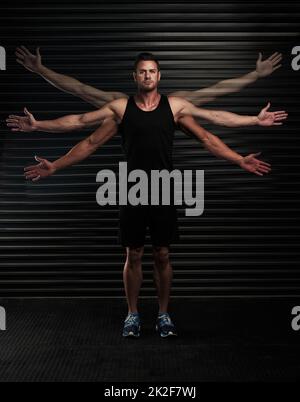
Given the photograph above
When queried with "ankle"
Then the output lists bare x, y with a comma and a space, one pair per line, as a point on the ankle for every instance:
160, 313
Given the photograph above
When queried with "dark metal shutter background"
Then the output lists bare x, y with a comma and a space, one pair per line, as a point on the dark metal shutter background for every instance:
56, 241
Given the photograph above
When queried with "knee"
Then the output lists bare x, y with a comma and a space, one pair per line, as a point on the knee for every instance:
161, 256
134, 255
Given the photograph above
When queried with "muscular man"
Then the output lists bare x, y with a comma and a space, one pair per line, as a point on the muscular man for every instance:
147, 122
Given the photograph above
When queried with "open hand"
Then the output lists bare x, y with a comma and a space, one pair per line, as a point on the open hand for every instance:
268, 66
42, 170
32, 62
254, 165
266, 118
25, 123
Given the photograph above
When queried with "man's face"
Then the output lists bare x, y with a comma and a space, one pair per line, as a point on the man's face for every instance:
147, 75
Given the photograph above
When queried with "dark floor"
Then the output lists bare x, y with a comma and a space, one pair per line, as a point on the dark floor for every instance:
79, 340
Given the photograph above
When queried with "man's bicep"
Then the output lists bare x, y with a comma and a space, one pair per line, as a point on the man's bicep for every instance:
184, 124
187, 108
106, 131
190, 127
97, 116
199, 96
179, 107
99, 98
197, 112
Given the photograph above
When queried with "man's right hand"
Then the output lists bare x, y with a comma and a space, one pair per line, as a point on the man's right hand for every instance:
42, 170
253, 165
32, 62
25, 123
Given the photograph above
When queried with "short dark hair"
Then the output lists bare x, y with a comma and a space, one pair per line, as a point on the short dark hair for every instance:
145, 57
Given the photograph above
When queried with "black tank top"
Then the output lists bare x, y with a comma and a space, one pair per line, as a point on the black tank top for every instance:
147, 137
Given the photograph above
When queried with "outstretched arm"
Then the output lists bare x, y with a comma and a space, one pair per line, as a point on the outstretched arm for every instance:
217, 147
182, 107
225, 87
28, 123
33, 63
78, 153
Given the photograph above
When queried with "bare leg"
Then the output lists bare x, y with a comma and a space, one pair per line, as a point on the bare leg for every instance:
156, 280
163, 275
133, 276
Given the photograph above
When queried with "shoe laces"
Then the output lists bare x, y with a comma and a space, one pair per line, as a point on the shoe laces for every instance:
166, 320
132, 320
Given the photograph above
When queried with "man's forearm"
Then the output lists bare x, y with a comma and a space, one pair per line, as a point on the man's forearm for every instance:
89, 145
74, 87
234, 84
60, 81
60, 125
229, 119
217, 147
225, 87
75, 121
223, 118
210, 141
78, 153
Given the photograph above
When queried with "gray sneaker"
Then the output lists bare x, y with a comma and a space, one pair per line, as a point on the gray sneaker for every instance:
132, 326
165, 326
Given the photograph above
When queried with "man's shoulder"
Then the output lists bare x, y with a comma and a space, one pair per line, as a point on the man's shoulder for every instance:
176, 100
119, 102
177, 104
118, 105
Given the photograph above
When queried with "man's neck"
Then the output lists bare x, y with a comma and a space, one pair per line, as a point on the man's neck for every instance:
147, 99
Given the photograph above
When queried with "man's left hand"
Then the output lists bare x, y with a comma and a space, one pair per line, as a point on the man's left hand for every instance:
266, 118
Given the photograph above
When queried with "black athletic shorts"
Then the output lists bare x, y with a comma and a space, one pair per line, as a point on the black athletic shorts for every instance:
161, 220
